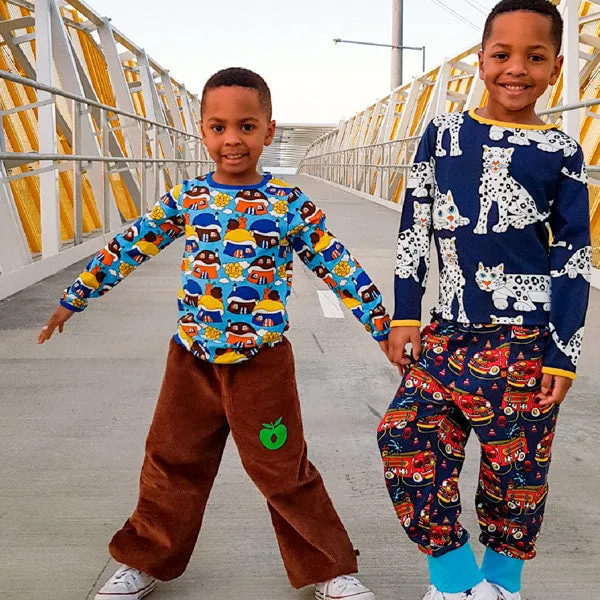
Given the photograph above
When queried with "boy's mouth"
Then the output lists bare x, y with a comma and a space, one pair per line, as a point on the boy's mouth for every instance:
234, 156
514, 88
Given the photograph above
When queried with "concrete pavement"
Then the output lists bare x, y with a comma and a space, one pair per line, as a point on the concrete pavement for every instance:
74, 414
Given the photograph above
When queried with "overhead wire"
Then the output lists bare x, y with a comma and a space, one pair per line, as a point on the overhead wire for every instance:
458, 16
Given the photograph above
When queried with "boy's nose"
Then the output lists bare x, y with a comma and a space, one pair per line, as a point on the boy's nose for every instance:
516, 67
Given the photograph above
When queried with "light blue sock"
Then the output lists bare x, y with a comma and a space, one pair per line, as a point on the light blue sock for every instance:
456, 571
503, 570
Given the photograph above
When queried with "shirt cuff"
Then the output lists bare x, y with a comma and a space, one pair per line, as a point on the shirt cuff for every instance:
406, 323
560, 372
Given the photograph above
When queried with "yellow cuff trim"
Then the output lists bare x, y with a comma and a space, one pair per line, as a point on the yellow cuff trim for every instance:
407, 323
473, 114
561, 372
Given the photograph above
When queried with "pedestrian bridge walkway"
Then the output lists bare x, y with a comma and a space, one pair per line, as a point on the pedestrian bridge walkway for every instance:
74, 413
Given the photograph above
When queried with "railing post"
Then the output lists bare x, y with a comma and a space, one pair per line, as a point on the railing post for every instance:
49, 197
571, 88
77, 167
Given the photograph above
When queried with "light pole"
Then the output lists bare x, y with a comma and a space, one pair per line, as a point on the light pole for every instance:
396, 80
397, 42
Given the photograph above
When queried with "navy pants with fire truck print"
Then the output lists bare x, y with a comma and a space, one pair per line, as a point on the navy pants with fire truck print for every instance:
471, 378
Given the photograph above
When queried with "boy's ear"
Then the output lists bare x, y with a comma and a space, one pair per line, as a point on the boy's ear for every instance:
270, 133
480, 61
558, 65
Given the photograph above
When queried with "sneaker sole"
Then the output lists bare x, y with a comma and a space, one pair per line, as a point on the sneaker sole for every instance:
359, 596
137, 596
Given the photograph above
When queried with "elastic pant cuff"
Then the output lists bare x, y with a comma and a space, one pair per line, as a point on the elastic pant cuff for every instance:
456, 571
502, 570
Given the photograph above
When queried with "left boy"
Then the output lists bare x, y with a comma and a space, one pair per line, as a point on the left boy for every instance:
229, 367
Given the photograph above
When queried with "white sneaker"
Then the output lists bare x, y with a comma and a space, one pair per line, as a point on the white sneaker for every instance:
482, 591
126, 584
505, 594
344, 586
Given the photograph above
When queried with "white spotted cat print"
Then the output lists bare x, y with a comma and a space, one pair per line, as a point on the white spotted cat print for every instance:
450, 122
452, 282
446, 214
551, 140
516, 207
572, 348
421, 176
580, 263
525, 290
413, 244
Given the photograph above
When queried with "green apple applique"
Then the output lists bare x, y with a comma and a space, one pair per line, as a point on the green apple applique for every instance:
273, 435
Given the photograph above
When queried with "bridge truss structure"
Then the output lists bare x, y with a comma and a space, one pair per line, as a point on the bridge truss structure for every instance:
372, 152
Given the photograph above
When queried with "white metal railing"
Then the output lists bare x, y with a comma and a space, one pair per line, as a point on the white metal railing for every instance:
376, 168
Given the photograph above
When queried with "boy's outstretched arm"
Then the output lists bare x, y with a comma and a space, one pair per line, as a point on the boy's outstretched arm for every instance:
327, 257
412, 255
570, 270
141, 241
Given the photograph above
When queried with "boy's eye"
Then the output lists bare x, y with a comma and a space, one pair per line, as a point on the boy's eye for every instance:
248, 127
217, 128
500, 55
537, 58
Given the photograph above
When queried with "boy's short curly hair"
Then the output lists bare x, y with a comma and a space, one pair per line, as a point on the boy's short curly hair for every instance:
238, 76
541, 7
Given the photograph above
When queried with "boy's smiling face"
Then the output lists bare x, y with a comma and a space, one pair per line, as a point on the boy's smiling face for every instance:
235, 127
517, 64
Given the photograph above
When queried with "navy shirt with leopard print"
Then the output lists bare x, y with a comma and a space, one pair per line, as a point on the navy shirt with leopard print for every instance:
508, 208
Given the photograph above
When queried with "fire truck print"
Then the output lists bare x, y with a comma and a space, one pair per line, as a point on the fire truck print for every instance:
542, 450
448, 493
506, 453
397, 418
418, 466
452, 439
504, 527
456, 362
416, 379
478, 410
524, 373
523, 402
490, 484
525, 499
490, 364
405, 512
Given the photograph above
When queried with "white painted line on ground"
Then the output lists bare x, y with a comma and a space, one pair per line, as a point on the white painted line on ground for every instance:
330, 305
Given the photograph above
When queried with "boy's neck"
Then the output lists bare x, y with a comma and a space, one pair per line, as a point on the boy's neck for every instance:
237, 179
497, 112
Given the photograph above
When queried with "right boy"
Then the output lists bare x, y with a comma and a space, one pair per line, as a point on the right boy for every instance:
229, 367
501, 352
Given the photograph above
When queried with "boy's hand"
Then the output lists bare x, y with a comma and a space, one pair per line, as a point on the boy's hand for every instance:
58, 319
554, 389
397, 341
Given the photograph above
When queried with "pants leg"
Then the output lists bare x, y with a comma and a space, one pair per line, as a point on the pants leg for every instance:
263, 411
422, 439
183, 453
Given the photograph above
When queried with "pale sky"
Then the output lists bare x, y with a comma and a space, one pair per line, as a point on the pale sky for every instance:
291, 45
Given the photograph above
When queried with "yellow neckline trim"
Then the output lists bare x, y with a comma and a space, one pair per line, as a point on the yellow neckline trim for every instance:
507, 124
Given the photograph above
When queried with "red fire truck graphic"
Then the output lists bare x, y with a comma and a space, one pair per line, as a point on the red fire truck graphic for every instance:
456, 362
419, 380
525, 499
524, 373
448, 492
506, 452
452, 439
476, 408
542, 450
490, 363
524, 402
405, 512
429, 423
513, 552
434, 344
524, 334
420, 466
440, 535
398, 418
490, 483
506, 527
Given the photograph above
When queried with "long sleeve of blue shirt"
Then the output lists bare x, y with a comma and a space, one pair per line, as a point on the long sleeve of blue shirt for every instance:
414, 238
570, 263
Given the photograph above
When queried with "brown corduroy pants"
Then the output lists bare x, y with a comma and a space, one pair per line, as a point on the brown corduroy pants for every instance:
199, 403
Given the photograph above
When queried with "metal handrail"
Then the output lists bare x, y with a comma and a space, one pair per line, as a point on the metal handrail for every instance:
107, 107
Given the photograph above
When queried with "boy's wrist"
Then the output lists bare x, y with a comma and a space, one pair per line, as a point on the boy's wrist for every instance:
77, 304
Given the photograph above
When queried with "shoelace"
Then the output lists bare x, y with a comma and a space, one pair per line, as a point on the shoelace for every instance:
127, 575
346, 581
